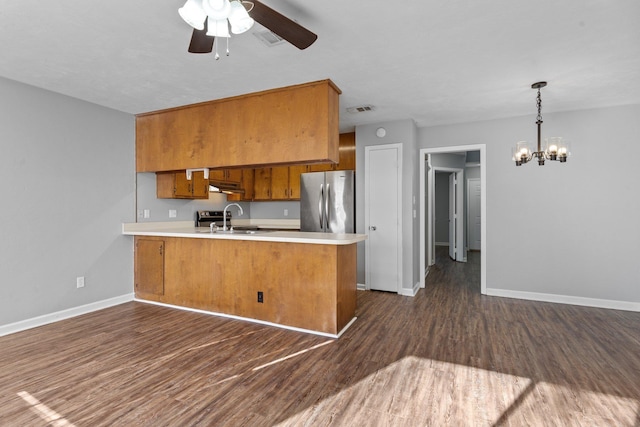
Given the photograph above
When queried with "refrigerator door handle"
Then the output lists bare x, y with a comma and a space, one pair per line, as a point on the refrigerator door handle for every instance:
320, 198
327, 211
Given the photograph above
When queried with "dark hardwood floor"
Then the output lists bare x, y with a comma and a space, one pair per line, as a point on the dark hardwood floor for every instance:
448, 356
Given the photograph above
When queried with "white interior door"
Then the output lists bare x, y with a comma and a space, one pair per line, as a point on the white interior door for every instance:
474, 195
456, 217
452, 215
382, 217
430, 224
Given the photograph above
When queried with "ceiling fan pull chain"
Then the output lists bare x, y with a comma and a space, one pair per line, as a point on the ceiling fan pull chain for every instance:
228, 45
216, 46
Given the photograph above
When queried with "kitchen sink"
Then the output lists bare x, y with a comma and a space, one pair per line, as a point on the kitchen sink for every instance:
239, 231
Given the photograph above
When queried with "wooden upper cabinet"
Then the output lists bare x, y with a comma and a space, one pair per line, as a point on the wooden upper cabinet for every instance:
246, 184
321, 167
294, 181
280, 183
347, 158
347, 150
227, 175
175, 185
262, 184
291, 125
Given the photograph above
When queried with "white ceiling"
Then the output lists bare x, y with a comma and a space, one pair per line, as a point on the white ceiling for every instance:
434, 61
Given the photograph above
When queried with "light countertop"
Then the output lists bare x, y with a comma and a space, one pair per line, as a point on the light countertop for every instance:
187, 229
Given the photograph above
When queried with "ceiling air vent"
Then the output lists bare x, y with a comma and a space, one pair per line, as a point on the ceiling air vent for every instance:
360, 109
269, 38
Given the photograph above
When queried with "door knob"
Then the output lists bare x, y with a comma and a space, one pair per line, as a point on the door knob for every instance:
372, 227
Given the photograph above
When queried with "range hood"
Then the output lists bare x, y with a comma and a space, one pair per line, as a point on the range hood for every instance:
225, 187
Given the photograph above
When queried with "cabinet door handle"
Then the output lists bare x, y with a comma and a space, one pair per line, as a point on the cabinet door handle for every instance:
160, 249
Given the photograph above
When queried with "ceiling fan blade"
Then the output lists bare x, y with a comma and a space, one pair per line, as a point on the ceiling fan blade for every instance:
279, 24
200, 41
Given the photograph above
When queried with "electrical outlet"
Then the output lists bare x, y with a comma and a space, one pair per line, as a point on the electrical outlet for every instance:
286, 212
80, 282
260, 297
173, 213
147, 213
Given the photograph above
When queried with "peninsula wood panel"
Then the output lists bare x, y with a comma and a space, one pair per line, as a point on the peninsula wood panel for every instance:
296, 124
347, 276
304, 285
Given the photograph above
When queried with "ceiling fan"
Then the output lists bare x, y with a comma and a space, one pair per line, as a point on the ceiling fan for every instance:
211, 19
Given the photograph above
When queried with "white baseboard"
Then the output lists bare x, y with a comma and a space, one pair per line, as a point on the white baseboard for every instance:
62, 315
361, 287
566, 299
410, 292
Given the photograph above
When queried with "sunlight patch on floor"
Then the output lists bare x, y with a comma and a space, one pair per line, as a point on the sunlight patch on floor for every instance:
299, 353
43, 411
585, 406
415, 391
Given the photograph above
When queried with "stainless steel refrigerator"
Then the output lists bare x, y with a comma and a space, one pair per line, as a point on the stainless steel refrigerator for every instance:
327, 202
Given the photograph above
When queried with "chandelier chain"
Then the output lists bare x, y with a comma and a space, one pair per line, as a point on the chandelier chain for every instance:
539, 105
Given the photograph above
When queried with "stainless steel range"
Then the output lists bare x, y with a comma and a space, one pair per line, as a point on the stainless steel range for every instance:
206, 218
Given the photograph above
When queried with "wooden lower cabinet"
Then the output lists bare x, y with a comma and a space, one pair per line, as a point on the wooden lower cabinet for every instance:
149, 267
307, 286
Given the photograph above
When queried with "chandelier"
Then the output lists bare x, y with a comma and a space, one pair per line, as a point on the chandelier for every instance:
216, 16
554, 148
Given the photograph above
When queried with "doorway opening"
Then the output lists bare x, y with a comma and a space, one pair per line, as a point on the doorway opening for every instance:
448, 213
427, 206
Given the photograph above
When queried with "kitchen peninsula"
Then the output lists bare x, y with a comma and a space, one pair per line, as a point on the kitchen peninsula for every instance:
292, 279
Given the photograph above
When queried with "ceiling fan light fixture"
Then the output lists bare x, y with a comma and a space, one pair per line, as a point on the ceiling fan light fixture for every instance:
217, 9
193, 14
239, 18
213, 18
217, 27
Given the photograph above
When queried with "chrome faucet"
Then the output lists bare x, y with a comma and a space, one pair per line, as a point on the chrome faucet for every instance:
224, 215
